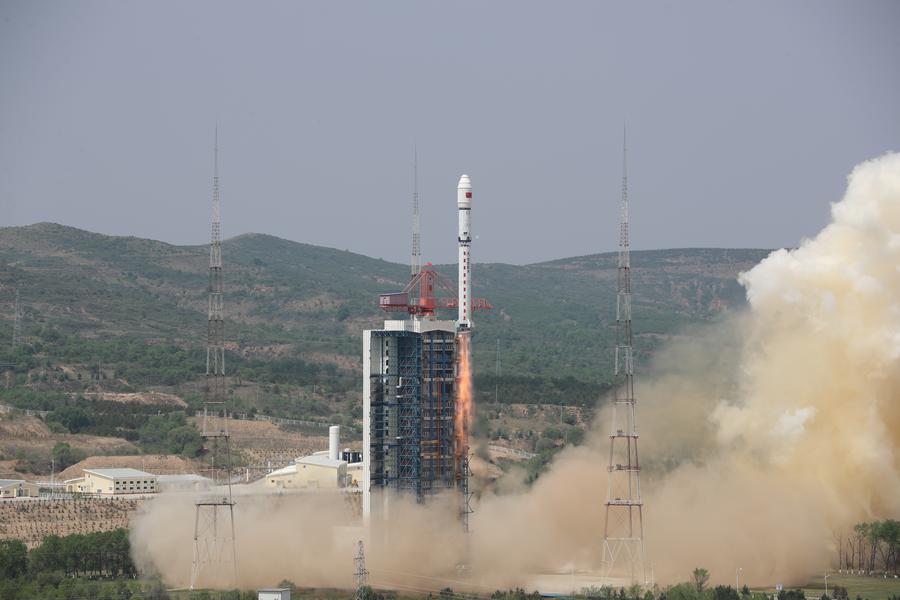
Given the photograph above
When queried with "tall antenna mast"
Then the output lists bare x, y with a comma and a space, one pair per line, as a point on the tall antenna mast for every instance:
214, 547
416, 259
623, 530
360, 574
215, 342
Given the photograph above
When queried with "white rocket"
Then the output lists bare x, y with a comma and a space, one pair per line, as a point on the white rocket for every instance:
464, 204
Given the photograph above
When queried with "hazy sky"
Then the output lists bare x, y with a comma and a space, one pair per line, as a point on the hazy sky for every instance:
743, 119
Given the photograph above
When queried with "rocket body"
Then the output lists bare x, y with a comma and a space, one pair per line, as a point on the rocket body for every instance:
464, 206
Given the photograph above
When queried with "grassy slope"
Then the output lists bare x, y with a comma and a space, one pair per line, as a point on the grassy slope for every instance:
868, 588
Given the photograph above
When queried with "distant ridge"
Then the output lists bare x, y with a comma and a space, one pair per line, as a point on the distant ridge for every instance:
553, 317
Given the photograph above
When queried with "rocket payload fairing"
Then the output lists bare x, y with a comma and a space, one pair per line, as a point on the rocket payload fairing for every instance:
464, 204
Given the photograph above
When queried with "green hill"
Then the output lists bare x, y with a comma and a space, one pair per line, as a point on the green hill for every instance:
296, 311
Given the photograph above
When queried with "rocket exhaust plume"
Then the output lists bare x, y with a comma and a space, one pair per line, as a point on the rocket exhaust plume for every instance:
771, 435
464, 402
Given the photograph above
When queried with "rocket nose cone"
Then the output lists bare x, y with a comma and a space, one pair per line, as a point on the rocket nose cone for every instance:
464, 183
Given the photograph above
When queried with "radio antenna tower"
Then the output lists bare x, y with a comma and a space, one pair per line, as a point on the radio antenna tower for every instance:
623, 530
214, 547
361, 574
416, 259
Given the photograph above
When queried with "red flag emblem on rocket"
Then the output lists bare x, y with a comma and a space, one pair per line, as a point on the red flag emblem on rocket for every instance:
468, 194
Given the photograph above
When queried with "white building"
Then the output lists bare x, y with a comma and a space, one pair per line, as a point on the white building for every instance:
118, 481
310, 472
320, 470
17, 488
75, 486
274, 594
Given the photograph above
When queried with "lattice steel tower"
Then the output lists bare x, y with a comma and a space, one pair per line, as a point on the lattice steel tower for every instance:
415, 263
214, 547
361, 575
623, 530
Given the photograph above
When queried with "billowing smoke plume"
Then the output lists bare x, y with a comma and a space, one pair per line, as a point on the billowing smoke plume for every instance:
807, 443
761, 437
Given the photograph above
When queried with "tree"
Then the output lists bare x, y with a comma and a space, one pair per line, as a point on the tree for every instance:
874, 535
543, 445
13, 559
185, 440
725, 592
682, 591
367, 593
65, 456
700, 577
47, 557
604, 592
73, 418
553, 433
8, 589
575, 436
890, 536
861, 533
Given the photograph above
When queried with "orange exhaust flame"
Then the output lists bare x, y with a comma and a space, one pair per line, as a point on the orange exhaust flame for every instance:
464, 402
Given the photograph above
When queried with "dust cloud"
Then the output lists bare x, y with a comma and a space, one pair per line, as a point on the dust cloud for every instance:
803, 441
761, 436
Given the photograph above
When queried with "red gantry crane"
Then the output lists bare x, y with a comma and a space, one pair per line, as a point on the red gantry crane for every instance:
427, 281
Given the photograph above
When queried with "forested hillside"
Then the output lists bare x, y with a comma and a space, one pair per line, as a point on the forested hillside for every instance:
128, 314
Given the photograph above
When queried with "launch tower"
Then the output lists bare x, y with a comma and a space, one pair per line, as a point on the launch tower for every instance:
412, 441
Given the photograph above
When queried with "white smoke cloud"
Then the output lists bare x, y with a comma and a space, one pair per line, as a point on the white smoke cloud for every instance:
809, 443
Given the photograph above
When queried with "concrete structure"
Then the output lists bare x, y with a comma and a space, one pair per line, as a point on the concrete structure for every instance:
274, 594
317, 471
182, 483
118, 481
18, 488
409, 377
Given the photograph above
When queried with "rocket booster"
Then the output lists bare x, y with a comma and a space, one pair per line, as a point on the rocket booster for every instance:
464, 205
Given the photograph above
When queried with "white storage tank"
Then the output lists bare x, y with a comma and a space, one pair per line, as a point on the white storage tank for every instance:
334, 442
